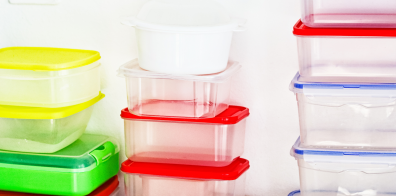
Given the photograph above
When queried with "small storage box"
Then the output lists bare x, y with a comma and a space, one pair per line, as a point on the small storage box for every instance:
345, 172
75, 170
154, 179
156, 94
43, 130
203, 141
349, 13
110, 188
48, 77
346, 55
346, 115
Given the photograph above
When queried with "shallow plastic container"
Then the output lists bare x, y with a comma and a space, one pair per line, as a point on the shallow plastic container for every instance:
203, 141
349, 14
109, 188
43, 130
48, 77
157, 94
325, 172
153, 179
346, 55
183, 36
346, 115
78, 169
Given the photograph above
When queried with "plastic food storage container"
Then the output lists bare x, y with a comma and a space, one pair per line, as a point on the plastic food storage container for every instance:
75, 170
110, 188
156, 94
349, 14
48, 77
204, 141
346, 115
43, 130
154, 179
183, 37
345, 172
346, 55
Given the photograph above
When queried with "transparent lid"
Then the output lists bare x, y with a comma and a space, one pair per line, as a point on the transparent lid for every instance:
132, 69
86, 151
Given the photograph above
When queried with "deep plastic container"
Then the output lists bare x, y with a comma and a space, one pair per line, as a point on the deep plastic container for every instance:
203, 141
43, 130
349, 14
346, 55
345, 172
78, 169
153, 179
156, 94
346, 115
48, 77
183, 37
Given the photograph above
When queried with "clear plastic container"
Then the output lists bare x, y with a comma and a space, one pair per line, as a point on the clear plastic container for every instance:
184, 36
346, 55
326, 172
346, 115
156, 94
48, 77
43, 130
349, 13
181, 180
203, 141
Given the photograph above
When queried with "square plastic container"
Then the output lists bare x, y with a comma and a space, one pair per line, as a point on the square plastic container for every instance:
204, 141
48, 77
346, 55
153, 179
345, 172
349, 13
43, 130
78, 169
346, 115
157, 94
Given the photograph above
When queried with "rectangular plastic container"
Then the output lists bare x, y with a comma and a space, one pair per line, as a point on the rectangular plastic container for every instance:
346, 115
325, 172
43, 130
346, 55
78, 169
349, 13
48, 77
204, 141
154, 179
158, 94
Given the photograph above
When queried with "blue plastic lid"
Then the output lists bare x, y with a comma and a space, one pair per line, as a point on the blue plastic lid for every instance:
294, 193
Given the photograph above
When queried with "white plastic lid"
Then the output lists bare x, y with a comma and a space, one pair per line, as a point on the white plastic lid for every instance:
184, 15
132, 69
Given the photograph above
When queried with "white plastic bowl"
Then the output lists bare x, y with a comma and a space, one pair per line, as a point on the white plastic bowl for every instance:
349, 13
157, 94
203, 141
346, 55
183, 37
180, 180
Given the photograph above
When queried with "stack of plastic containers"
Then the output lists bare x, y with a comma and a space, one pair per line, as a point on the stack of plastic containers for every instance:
346, 93
46, 100
182, 135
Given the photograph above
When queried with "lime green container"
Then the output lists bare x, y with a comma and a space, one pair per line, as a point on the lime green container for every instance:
75, 170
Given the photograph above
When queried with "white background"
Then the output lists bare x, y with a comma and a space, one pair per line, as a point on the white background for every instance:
267, 52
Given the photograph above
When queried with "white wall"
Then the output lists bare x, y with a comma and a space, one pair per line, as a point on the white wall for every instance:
267, 51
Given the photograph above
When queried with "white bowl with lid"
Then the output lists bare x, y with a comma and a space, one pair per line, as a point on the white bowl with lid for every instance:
183, 36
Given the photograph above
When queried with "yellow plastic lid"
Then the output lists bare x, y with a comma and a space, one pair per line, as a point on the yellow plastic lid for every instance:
45, 59
7, 111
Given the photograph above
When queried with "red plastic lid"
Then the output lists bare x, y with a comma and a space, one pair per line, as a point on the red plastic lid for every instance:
230, 172
302, 30
232, 115
105, 190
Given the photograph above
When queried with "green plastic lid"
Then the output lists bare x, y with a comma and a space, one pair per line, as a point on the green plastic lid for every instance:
87, 151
